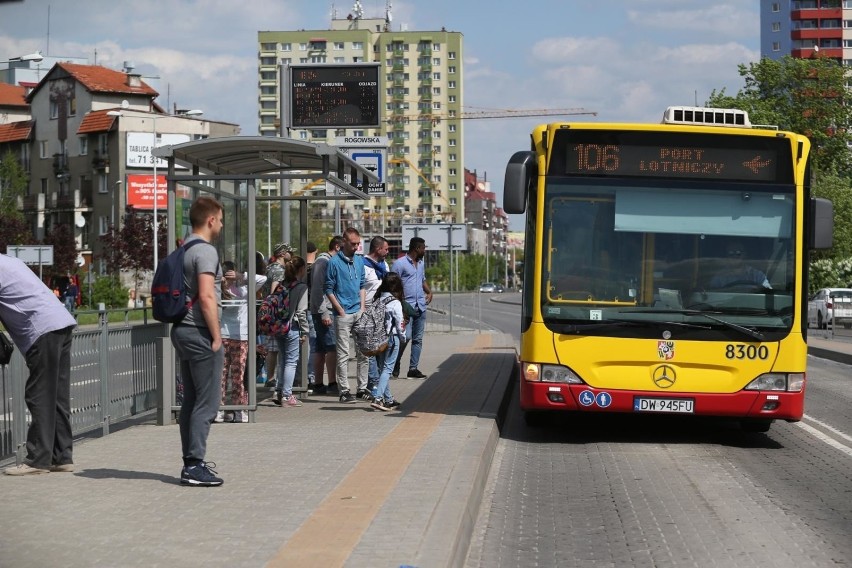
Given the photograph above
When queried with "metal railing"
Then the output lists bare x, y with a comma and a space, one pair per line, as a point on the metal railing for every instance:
114, 370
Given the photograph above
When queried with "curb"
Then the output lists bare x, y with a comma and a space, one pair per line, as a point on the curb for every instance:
458, 506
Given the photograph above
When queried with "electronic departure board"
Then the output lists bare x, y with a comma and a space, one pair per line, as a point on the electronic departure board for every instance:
334, 96
726, 156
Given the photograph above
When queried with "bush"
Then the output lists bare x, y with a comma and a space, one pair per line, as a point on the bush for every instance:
108, 290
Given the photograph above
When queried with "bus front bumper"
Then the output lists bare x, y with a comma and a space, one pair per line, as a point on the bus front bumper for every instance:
770, 405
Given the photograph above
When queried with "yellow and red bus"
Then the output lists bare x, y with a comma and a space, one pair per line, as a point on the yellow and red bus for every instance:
666, 267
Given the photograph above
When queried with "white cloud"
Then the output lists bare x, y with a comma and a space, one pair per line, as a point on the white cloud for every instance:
731, 19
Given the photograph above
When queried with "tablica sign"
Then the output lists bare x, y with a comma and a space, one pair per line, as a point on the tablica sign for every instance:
140, 192
139, 148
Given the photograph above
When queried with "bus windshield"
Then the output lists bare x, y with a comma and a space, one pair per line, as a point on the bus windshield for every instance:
625, 256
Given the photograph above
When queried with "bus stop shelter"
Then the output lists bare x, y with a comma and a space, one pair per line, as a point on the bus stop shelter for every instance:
232, 169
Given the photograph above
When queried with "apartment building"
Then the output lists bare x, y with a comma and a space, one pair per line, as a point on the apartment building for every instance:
421, 99
802, 28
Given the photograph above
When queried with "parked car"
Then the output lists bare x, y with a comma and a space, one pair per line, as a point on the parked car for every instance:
830, 306
488, 287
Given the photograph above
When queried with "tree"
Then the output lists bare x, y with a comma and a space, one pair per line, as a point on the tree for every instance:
132, 246
14, 230
64, 249
13, 184
806, 96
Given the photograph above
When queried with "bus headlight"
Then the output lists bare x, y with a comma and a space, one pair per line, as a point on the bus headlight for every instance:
536, 372
791, 382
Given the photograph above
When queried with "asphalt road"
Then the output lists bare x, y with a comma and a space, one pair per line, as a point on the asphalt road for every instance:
666, 491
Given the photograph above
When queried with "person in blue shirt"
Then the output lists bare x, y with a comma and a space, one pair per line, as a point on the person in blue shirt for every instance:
345, 288
738, 272
412, 269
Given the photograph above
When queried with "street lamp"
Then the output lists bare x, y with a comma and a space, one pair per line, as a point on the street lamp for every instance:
35, 56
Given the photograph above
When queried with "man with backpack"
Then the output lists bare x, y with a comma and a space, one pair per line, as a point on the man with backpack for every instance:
344, 288
197, 339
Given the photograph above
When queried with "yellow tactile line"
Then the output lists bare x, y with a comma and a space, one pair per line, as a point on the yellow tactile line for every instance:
351, 507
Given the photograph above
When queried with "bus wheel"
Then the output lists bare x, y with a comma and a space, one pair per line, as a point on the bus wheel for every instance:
535, 418
758, 426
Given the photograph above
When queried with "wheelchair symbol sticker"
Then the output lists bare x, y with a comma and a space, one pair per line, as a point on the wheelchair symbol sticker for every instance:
587, 398
603, 399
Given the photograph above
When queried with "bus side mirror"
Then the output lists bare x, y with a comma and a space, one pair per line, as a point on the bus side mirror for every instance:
520, 173
820, 224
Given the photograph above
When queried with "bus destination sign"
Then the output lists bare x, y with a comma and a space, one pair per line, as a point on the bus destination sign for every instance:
673, 155
334, 96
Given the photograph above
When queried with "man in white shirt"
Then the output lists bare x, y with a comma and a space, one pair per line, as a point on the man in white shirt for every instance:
375, 268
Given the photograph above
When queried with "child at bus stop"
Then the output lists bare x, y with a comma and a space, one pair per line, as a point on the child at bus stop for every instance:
391, 287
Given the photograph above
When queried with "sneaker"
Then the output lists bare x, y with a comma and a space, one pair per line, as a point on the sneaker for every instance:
347, 398
276, 400
379, 404
241, 416
62, 467
24, 469
393, 404
292, 401
220, 417
201, 475
320, 389
415, 374
229, 417
363, 394
271, 383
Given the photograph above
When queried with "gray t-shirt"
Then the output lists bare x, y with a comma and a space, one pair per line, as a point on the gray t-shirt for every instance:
200, 259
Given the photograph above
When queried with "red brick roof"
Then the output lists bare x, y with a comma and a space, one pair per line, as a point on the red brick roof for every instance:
96, 121
20, 131
13, 96
97, 79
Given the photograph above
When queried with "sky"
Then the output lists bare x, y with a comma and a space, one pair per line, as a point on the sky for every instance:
625, 60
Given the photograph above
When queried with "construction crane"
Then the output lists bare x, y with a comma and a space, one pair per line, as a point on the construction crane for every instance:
483, 113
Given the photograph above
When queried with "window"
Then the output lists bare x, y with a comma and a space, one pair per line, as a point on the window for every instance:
453, 187
776, 46
44, 186
338, 46
267, 119
359, 45
286, 61
436, 163
303, 135
452, 141
453, 201
436, 105
42, 148
303, 47
267, 61
54, 109
267, 90
451, 127
286, 47
453, 157
318, 133
436, 76
451, 55
453, 171
436, 61
451, 85
436, 90
340, 60
776, 6
103, 144
103, 225
776, 26
303, 60
318, 59
436, 134
452, 99
451, 69
84, 145
436, 47
358, 59
267, 47
267, 75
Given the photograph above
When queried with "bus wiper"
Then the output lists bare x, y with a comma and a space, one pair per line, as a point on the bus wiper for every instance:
753, 333
595, 325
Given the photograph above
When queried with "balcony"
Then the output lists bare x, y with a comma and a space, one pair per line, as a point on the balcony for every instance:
33, 203
100, 161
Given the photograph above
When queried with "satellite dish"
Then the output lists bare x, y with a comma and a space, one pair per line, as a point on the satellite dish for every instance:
80, 221
125, 104
80, 260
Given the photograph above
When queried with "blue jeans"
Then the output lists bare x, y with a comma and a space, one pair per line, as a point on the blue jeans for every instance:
385, 362
372, 374
288, 361
312, 344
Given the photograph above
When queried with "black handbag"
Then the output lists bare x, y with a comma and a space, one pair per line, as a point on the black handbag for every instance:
6, 348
